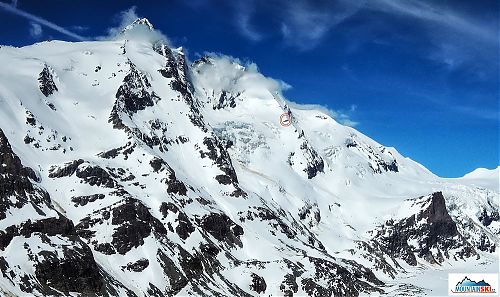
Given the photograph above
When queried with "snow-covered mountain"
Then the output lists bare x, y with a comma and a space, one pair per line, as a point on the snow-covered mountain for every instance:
125, 170
482, 177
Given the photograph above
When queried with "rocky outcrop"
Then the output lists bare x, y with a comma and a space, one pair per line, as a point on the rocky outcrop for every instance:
379, 161
132, 96
430, 234
17, 182
222, 228
62, 262
46, 81
258, 284
132, 223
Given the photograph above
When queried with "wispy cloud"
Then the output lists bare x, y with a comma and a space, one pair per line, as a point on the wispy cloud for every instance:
12, 8
425, 11
246, 29
457, 38
304, 24
244, 12
35, 30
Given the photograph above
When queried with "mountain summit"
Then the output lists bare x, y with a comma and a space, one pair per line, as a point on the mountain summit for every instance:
140, 22
126, 170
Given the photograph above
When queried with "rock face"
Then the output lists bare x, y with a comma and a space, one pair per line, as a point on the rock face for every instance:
46, 239
154, 177
46, 82
430, 234
16, 181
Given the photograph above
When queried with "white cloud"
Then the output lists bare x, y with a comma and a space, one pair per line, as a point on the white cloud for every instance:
243, 23
244, 12
305, 25
41, 21
457, 37
231, 74
447, 17
35, 30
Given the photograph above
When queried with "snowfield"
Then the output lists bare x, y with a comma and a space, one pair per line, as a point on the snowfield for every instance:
127, 171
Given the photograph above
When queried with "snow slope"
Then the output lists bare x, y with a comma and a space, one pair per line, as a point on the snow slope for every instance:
175, 179
482, 177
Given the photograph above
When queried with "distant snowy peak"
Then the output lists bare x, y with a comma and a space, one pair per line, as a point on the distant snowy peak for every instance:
141, 22
483, 173
482, 177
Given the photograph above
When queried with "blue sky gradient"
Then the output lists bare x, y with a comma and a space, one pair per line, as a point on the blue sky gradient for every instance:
421, 76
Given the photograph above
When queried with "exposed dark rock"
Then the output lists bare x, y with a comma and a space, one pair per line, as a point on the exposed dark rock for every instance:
174, 185
223, 179
84, 200
168, 206
154, 291
378, 163
226, 100
28, 139
17, 182
289, 285
30, 119
315, 163
429, 234
374, 253
76, 272
340, 281
191, 265
176, 69
176, 278
133, 95
133, 223
67, 169
208, 255
113, 153
170, 69
137, 266
184, 227
158, 164
313, 213
46, 82
217, 152
485, 244
105, 248
222, 228
95, 175
487, 218
48, 226
258, 284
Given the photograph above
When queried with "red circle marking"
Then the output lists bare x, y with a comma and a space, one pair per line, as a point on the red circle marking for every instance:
285, 119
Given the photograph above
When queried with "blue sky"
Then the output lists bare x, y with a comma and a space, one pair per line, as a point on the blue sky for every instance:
421, 76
